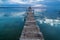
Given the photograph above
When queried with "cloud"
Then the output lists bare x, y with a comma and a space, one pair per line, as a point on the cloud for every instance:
17, 1
39, 5
25, 1
51, 0
1, 1
40, 0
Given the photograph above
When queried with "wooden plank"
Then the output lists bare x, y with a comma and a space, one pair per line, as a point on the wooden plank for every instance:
31, 31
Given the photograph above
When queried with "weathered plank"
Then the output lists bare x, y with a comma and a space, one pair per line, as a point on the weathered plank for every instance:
31, 31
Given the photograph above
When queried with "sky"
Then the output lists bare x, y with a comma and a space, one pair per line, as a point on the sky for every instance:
34, 3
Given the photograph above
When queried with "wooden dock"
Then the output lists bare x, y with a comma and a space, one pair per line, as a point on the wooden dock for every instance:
31, 30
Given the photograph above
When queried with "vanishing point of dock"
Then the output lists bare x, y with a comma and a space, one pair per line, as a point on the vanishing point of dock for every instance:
31, 30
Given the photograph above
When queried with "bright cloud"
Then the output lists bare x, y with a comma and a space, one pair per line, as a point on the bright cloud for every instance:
41, 8
17, 1
1, 1
40, 0
24, 1
39, 5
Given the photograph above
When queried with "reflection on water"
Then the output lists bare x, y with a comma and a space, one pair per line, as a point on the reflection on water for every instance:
48, 19
50, 28
11, 23
52, 22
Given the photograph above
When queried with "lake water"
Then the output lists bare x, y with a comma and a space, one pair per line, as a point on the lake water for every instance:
11, 23
48, 20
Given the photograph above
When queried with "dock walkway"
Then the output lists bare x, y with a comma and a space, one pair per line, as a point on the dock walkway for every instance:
31, 30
